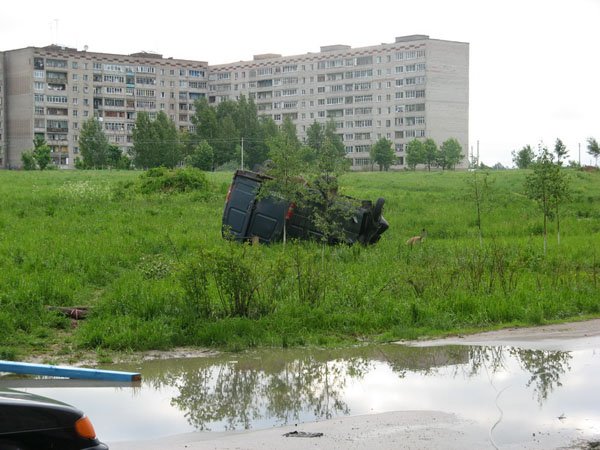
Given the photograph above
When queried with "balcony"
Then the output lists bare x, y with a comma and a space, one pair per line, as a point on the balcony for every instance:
57, 126
265, 83
56, 87
56, 137
114, 114
56, 129
56, 77
57, 112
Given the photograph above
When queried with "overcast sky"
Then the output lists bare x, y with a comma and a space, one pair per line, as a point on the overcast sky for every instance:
534, 64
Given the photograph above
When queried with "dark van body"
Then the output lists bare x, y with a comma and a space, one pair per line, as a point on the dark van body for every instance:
247, 217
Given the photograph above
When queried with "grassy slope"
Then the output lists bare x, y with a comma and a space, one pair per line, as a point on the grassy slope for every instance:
86, 238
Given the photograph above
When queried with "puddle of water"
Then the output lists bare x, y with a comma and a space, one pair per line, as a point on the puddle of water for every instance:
512, 392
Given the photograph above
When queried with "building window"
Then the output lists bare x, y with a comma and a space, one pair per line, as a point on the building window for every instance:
56, 98
59, 63
145, 69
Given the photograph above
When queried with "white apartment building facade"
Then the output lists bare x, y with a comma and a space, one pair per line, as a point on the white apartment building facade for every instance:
415, 87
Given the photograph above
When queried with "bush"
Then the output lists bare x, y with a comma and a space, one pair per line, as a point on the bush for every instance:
161, 179
235, 278
230, 166
28, 161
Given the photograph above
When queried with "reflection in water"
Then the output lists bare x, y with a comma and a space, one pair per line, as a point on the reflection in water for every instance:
240, 394
281, 387
544, 367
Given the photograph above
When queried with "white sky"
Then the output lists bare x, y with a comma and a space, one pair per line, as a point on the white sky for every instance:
534, 64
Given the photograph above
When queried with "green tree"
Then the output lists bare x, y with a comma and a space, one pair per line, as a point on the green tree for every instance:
430, 152
202, 157
415, 154
480, 189
156, 143
315, 135
145, 150
41, 152
548, 187
205, 121
331, 163
561, 193
382, 153
593, 149
286, 154
450, 154
28, 160
225, 125
114, 155
117, 159
93, 144
560, 150
227, 143
331, 159
187, 142
249, 128
170, 148
268, 130
524, 157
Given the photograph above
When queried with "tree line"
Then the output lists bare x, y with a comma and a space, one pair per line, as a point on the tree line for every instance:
427, 153
526, 156
222, 136
221, 133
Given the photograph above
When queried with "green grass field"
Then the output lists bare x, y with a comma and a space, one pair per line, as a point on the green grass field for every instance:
157, 273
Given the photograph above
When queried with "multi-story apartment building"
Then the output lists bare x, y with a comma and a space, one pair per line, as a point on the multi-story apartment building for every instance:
2, 115
52, 90
415, 87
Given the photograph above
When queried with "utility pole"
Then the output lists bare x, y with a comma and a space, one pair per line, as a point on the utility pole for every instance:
472, 159
242, 154
579, 145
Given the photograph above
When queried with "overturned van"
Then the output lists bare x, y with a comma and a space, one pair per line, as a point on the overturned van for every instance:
250, 216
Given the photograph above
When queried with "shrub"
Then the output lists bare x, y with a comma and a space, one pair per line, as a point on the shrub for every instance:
235, 277
161, 179
28, 161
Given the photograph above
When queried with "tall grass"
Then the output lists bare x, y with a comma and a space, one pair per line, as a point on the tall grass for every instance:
157, 274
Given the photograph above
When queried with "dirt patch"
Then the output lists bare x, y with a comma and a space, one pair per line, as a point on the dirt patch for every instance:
564, 336
91, 358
